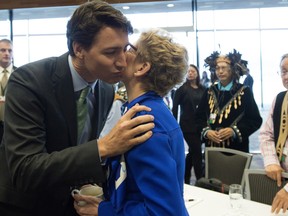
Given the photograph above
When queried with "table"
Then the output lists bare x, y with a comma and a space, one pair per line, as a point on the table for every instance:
211, 203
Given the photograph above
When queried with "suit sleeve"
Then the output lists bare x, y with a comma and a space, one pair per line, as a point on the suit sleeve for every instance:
39, 150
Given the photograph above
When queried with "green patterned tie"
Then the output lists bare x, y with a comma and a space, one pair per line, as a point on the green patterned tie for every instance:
82, 109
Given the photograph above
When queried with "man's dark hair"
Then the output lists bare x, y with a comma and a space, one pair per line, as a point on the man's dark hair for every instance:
89, 19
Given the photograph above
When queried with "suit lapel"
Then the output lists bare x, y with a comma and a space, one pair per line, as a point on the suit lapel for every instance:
64, 92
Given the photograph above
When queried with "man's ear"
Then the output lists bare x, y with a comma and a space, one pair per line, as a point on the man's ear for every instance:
77, 48
143, 69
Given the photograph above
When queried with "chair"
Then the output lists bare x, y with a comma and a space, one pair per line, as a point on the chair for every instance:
261, 188
226, 164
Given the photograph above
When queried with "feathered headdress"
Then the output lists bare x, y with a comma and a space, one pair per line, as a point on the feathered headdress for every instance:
238, 66
210, 61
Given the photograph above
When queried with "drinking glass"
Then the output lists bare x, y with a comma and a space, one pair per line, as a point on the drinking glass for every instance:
236, 196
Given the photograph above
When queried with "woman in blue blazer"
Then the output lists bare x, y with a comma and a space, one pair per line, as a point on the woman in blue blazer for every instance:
148, 179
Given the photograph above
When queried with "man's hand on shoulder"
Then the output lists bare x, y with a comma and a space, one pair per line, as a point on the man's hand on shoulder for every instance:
127, 133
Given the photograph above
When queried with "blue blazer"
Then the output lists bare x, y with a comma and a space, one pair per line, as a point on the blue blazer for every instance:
153, 183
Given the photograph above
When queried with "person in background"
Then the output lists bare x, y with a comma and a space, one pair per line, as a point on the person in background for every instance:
248, 81
188, 97
168, 100
205, 81
274, 142
116, 110
6, 68
148, 179
172, 93
227, 114
46, 152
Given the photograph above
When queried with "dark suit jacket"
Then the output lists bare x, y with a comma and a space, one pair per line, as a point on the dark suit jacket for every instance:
2, 112
39, 157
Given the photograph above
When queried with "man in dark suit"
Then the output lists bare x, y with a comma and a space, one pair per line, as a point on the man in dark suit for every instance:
42, 158
6, 68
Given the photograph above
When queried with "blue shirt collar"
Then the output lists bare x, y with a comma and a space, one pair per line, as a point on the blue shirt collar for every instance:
226, 88
78, 82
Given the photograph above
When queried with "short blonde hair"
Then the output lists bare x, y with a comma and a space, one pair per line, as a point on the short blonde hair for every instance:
168, 59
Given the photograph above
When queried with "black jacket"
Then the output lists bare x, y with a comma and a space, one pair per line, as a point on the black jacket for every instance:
235, 108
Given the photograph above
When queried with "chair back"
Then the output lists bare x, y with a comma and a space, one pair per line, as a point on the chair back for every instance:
227, 165
260, 188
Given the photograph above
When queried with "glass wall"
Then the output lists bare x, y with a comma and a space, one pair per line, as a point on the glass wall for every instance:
35, 39
260, 39
40, 33
5, 24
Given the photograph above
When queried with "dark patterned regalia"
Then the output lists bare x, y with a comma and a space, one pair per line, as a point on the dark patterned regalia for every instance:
235, 108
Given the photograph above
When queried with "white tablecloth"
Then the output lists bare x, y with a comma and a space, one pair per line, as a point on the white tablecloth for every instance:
210, 203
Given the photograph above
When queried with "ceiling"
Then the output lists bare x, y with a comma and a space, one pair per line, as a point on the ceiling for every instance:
148, 7
186, 5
